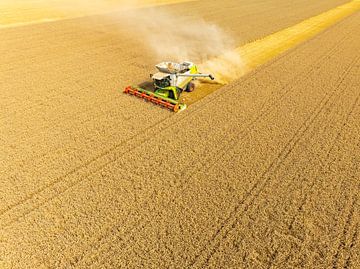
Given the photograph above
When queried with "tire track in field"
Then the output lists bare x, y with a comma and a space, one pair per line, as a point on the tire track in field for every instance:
346, 229
311, 191
192, 170
314, 177
253, 193
348, 236
353, 241
349, 114
207, 163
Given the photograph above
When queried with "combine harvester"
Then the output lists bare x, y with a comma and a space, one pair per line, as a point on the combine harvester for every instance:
171, 80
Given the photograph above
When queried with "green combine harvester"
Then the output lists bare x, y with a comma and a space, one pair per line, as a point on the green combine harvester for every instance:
169, 82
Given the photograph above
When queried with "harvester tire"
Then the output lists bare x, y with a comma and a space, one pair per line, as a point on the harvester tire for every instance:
190, 87
176, 108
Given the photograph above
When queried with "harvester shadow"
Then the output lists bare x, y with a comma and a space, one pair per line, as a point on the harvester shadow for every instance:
147, 85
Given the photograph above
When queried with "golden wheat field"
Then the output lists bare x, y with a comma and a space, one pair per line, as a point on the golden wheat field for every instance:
262, 170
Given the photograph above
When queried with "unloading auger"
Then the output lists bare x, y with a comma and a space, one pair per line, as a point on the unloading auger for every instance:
169, 82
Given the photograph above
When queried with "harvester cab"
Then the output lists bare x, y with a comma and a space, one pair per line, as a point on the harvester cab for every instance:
168, 84
163, 86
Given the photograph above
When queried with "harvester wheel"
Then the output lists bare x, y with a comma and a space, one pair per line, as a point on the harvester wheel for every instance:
190, 87
176, 107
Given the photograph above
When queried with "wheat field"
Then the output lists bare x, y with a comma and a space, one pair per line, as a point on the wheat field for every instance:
262, 172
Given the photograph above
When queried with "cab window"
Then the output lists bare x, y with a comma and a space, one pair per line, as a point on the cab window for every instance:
163, 83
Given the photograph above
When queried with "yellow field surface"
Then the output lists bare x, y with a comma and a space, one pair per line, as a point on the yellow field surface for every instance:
262, 172
22, 12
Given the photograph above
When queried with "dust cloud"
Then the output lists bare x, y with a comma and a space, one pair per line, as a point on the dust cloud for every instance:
171, 36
